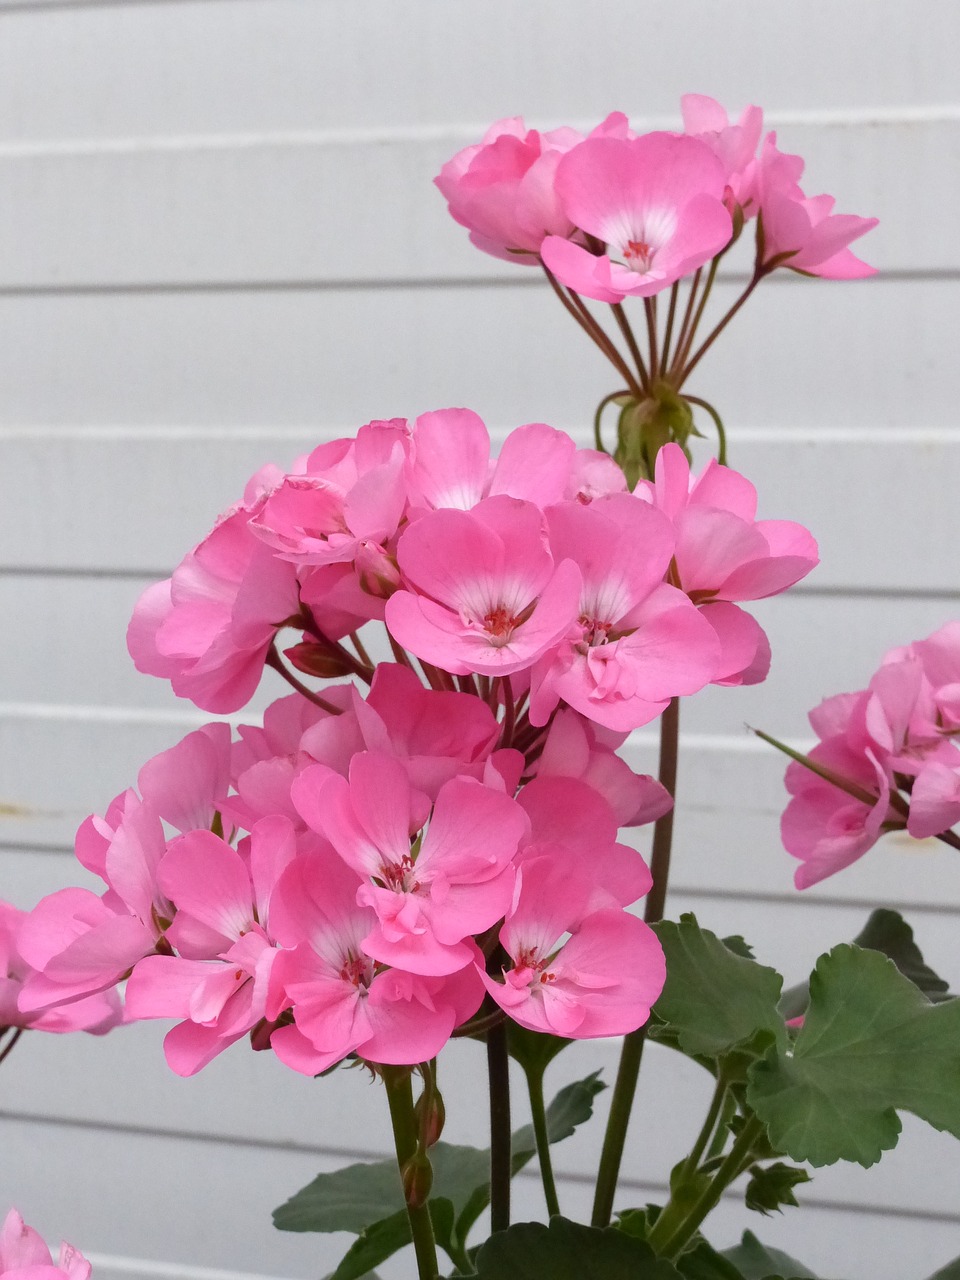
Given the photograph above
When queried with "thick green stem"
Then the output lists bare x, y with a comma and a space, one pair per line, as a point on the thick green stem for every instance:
731, 1168
631, 1054
539, 1113
501, 1168
399, 1088
663, 828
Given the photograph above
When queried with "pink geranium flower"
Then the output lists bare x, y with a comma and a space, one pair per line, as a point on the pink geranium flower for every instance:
24, 1256
735, 145
341, 999
218, 982
724, 554
430, 885
801, 232
638, 642
208, 628
601, 981
96, 1014
656, 205
484, 594
450, 462
502, 189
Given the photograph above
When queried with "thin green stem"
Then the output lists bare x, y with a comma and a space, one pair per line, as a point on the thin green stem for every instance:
707, 1130
620, 315
274, 660
399, 1088
650, 311
685, 323
11, 1043
625, 1087
501, 1167
598, 415
361, 650
399, 653
668, 331
716, 331
718, 423
680, 369
732, 1166
539, 1113
590, 326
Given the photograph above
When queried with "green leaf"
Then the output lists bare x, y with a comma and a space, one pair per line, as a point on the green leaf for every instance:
350, 1199
887, 932
771, 1187
738, 944
950, 1272
756, 1262
702, 1262
568, 1251
715, 1000
374, 1245
871, 1044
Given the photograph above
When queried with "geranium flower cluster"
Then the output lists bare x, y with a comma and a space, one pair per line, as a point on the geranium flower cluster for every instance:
887, 760
24, 1256
356, 875
614, 214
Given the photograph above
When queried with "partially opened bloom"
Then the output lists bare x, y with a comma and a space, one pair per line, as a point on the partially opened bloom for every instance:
25, 1256
802, 232
656, 205
502, 189
724, 554
208, 628
97, 1013
735, 145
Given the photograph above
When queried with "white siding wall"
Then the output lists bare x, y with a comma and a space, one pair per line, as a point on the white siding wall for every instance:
218, 245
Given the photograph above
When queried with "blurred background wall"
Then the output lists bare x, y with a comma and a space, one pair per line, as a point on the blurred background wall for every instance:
219, 245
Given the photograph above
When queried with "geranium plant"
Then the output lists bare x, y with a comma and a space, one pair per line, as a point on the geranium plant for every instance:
420, 841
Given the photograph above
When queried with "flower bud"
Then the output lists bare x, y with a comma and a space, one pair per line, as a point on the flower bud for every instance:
417, 1175
376, 570
317, 660
431, 1117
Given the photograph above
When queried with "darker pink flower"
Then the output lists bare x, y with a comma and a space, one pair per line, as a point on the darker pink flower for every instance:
502, 189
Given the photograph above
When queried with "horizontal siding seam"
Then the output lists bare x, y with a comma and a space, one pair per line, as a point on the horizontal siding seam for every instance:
421, 134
